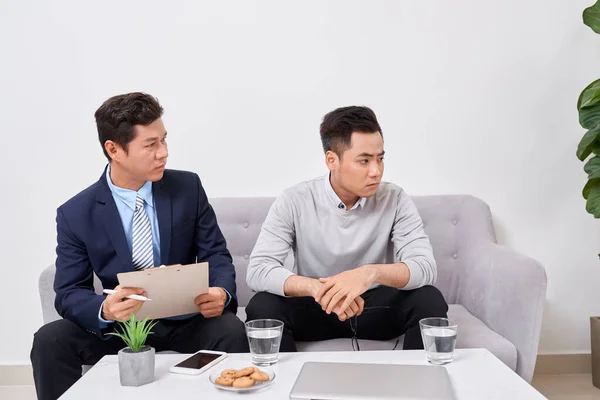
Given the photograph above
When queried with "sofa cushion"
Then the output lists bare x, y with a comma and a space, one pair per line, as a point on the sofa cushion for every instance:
472, 333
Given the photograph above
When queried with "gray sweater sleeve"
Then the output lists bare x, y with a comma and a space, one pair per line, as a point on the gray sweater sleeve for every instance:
411, 244
266, 272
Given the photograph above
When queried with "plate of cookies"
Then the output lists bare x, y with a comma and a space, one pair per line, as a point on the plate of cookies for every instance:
242, 379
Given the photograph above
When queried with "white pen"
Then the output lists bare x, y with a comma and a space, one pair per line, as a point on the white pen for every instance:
131, 296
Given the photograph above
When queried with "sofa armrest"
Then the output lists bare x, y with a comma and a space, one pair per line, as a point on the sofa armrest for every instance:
47, 295
506, 290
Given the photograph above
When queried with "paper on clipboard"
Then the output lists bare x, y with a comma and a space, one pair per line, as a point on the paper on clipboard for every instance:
172, 289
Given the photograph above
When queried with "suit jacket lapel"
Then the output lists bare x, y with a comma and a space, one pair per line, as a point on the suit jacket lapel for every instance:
112, 222
162, 199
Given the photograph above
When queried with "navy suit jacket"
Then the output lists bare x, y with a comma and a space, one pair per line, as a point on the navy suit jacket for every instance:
91, 241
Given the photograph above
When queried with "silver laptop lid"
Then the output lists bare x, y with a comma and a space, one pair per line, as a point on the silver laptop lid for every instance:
349, 381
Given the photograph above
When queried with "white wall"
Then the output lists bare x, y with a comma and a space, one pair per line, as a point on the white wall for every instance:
473, 96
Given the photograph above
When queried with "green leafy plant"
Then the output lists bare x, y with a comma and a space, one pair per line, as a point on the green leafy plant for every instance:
588, 106
134, 333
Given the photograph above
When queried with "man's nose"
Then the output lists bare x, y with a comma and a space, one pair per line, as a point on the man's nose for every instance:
163, 152
375, 170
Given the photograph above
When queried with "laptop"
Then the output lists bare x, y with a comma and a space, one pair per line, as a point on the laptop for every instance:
349, 381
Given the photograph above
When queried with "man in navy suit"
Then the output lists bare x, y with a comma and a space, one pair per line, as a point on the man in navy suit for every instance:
137, 216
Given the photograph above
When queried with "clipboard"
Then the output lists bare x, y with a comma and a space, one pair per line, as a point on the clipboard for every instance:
172, 289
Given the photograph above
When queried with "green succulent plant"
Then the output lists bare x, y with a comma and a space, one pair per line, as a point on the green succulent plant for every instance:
134, 333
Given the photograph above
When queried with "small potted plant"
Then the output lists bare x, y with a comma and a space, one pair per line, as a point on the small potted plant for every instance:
136, 361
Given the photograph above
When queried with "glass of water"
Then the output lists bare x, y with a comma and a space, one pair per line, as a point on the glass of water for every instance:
439, 339
264, 338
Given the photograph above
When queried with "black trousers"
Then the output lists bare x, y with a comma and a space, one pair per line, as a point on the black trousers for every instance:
61, 347
388, 313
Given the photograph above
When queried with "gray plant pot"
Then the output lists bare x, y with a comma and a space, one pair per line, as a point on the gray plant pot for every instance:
136, 369
595, 342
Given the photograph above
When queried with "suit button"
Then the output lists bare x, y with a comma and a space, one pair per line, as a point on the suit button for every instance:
455, 256
454, 222
246, 256
246, 225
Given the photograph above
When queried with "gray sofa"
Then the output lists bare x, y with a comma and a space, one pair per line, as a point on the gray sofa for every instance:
495, 294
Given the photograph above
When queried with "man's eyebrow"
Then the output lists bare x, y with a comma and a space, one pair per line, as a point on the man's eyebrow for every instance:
371, 155
152, 139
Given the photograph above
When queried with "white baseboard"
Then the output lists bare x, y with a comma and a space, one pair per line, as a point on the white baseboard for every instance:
16, 375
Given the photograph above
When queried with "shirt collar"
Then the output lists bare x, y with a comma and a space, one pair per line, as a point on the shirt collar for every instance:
335, 200
129, 196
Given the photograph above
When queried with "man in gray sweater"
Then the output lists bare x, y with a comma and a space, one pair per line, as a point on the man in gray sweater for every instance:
361, 256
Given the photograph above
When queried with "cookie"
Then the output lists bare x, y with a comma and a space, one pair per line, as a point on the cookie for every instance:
243, 382
244, 372
224, 380
231, 373
260, 376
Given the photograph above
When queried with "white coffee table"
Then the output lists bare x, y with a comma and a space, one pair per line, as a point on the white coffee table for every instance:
475, 374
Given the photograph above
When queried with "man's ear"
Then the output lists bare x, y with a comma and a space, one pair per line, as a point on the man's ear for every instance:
332, 160
112, 149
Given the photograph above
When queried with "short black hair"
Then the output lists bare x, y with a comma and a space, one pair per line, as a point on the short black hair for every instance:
338, 125
116, 117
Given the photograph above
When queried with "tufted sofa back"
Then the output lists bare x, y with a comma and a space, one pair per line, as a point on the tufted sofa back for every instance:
453, 223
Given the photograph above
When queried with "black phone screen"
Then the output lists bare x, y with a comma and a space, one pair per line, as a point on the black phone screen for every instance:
198, 360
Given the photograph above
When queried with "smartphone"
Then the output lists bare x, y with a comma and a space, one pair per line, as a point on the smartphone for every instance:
198, 362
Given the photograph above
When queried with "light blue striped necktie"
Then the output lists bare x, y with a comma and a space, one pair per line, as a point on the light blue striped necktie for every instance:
142, 254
